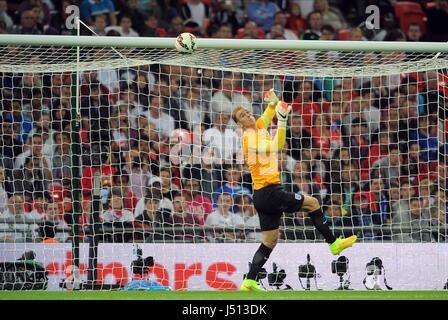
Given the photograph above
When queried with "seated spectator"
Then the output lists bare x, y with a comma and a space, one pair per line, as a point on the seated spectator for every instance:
89, 9
362, 214
420, 222
414, 33
18, 230
223, 217
356, 35
227, 15
227, 98
125, 27
162, 121
194, 113
54, 224
246, 210
121, 180
152, 28
28, 24
381, 207
427, 137
330, 15
297, 136
131, 10
221, 138
390, 165
182, 217
61, 163
154, 186
21, 119
324, 138
262, 13
314, 24
250, 31
115, 211
176, 26
196, 202
328, 32
295, 21
151, 217
280, 19
277, 32
4, 16
10, 142
232, 185
169, 188
99, 25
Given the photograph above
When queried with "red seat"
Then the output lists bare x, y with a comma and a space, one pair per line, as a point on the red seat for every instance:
409, 13
344, 34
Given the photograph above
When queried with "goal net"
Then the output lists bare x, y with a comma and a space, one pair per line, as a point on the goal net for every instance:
109, 145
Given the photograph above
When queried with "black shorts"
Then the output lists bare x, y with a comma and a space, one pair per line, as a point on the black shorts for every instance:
270, 203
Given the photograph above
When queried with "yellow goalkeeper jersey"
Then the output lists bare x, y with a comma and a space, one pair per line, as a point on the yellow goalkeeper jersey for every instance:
263, 165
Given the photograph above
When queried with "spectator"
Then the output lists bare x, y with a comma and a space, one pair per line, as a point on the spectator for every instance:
197, 203
226, 15
356, 35
183, 217
222, 217
4, 16
328, 33
10, 143
151, 215
314, 24
176, 26
137, 17
154, 186
21, 119
61, 163
277, 32
125, 28
414, 33
381, 207
192, 109
195, 10
251, 31
163, 122
232, 186
330, 15
420, 222
223, 31
295, 21
221, 138
390, 165
121, 180
28, 24
15, 212
250, 216
151, 27
280, 19
90, 8
169, 188
228, 98
115, 211
427, 137
99, 25
54, 227
262, 13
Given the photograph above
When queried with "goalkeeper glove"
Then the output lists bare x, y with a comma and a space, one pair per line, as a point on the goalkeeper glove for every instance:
271, 98
282, 110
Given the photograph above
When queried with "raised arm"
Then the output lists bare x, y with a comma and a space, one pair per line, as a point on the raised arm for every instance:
271, 98
282, 110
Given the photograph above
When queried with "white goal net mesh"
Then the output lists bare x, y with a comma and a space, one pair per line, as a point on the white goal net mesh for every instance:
160, 158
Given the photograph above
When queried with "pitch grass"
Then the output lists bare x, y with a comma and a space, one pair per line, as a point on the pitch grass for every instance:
223, 295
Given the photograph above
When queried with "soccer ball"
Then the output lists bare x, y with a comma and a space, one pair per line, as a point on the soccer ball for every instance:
185, 43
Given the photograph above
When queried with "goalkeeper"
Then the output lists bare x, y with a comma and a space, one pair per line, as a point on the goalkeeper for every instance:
270, 198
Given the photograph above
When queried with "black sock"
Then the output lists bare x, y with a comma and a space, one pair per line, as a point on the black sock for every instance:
260, 258
317, 217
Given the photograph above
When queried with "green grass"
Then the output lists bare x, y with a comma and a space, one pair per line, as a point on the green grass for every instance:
219, 295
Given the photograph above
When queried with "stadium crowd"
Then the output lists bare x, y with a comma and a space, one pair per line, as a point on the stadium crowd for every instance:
370, 149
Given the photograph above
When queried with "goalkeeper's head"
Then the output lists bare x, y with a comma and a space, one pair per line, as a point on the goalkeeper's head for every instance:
244, 118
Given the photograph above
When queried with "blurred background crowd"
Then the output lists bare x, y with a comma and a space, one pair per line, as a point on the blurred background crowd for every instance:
370, 149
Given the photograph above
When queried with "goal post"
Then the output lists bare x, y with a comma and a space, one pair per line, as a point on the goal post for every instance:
129, 142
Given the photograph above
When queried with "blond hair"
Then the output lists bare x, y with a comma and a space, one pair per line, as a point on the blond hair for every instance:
235, 111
